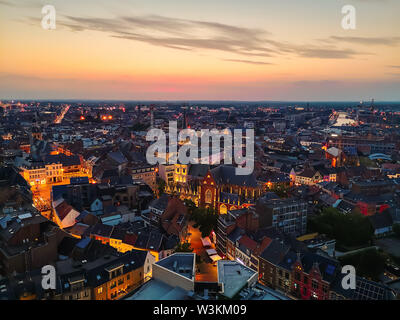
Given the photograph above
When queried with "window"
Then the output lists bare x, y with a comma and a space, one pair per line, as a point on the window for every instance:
100, 290
314, 284
208, 196
223, 209
297, 276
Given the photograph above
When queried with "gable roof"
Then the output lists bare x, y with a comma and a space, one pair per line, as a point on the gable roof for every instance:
63, 209
328, 267
198, 170
117, 157
225, 174
65, 160
307, 173
275, 252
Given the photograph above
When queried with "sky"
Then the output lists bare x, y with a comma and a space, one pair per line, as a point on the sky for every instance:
253, 50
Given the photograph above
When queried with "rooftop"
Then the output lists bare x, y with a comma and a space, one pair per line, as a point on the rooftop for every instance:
234, 276
180, 263
158, 290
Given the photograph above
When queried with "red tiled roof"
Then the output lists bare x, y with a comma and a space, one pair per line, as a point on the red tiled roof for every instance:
248, 243
130, 239
169, 219
63, 209
264, 244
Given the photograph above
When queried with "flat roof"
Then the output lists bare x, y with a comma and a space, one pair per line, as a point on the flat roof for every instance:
234, 276
180, 263
158, 290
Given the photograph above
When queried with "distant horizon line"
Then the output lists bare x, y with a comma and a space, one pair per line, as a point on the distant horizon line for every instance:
195, 100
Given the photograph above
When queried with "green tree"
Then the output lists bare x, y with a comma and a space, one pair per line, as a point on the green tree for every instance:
183, 247
351, 229
281, 191
160, 186
368, 263
190, 205
205, 219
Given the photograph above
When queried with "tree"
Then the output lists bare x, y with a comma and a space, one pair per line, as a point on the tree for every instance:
190, 205
160, 186
183, 247
352, 229
368, 263
205, 219
281, 191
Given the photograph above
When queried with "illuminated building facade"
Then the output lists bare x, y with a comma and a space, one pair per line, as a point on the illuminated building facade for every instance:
222, 190
146, 174
181, 173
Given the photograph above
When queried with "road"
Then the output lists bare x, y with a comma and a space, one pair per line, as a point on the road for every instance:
62, 115
206, 271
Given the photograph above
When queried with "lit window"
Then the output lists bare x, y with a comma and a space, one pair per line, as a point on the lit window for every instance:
208, 196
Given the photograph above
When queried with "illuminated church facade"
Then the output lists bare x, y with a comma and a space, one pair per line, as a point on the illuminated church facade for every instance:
222, 190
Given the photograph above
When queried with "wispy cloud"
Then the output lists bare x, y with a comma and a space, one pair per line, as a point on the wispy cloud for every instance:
384, 41
178, 33
248, 61
22, 3
327, 53
190, 35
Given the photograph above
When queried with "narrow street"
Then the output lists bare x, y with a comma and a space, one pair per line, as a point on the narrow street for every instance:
206, 270
62, 115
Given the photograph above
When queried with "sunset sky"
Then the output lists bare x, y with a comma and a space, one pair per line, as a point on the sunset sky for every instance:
200, 50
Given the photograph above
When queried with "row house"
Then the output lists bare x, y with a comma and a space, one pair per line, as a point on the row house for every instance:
307, 275
247, 250
245, 219
124, 241
109, 277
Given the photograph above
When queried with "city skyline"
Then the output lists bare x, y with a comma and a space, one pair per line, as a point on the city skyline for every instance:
174, 50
